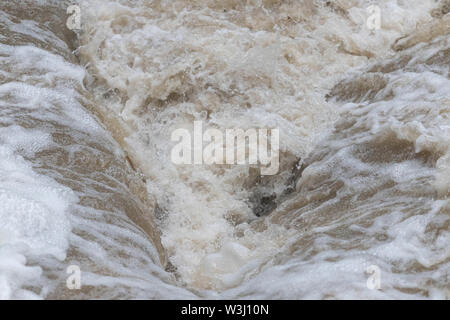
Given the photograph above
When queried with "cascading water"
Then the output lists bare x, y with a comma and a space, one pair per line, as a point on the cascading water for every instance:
87, 179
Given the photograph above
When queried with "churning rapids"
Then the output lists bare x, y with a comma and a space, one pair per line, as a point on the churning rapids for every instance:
86, 177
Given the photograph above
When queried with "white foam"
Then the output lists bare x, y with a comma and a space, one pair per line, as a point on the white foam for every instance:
245, 67
33, 211
242, 66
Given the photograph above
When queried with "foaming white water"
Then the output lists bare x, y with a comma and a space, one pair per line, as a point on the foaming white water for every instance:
32, 210
161, 65
38, 205
66, 191
364, 135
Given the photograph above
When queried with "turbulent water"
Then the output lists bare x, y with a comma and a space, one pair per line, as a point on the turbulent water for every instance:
86, 177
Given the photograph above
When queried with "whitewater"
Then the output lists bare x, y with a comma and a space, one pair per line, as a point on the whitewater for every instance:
87, 176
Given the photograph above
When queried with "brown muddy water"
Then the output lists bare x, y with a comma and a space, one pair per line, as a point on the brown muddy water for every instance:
87, 178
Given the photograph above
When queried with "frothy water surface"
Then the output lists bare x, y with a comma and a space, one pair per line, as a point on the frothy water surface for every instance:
87, 178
